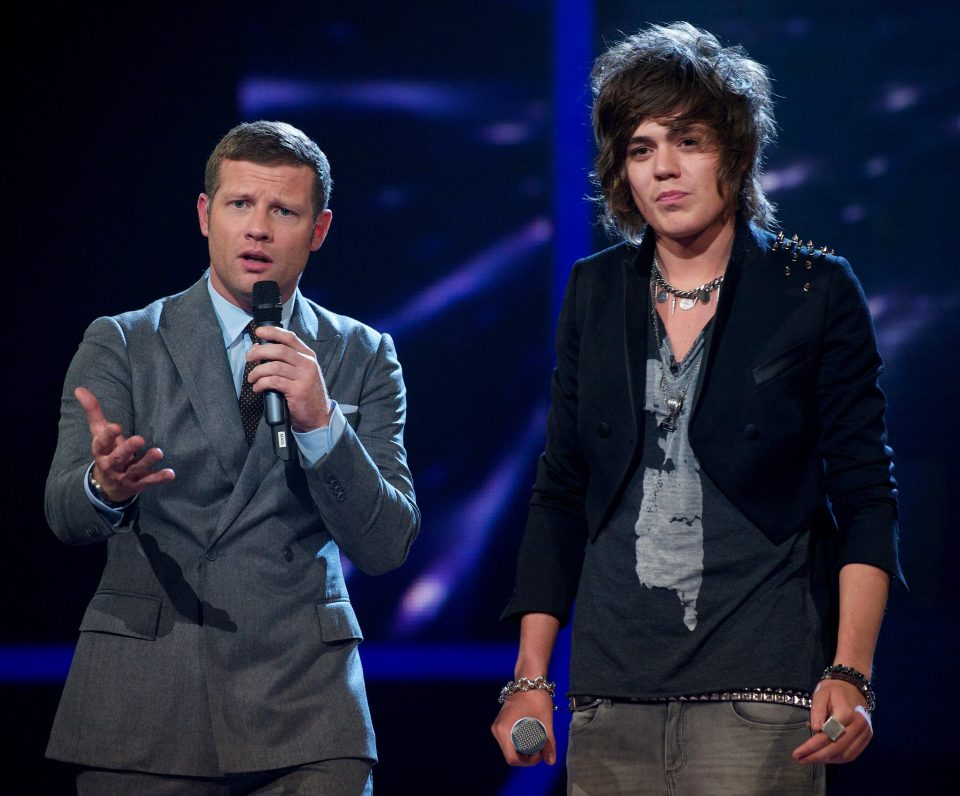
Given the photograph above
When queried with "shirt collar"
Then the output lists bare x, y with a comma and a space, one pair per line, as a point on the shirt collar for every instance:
234, 321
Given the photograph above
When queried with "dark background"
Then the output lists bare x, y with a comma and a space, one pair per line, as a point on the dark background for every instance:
460, 147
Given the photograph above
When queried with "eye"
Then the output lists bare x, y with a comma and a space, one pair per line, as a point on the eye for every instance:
638, 151
286, 212
689, 142
238, 203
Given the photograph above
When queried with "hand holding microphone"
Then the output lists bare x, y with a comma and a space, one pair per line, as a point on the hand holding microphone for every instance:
524, 729
267, 311
529, 735
295, 395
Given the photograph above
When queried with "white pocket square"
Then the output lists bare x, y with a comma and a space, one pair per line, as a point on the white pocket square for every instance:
347, 409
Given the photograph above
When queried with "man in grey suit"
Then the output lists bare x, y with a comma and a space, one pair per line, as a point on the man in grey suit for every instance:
219, 653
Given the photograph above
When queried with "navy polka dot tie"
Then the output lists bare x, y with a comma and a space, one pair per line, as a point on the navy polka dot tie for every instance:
251, 403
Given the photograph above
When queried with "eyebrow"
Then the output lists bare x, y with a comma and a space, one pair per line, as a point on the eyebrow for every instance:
672, 133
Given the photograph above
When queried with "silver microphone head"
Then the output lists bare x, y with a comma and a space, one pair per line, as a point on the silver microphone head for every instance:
529, 735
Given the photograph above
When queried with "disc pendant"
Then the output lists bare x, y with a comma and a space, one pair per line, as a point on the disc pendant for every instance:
704, 297
662, 297
687, 303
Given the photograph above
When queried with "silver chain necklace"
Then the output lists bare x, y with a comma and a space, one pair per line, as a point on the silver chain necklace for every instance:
674, 403
688, 298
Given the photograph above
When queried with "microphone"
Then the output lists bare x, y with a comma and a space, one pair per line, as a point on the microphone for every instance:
267, 311
529, 735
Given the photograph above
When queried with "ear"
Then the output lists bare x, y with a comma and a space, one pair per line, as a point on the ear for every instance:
320, 229
203, 208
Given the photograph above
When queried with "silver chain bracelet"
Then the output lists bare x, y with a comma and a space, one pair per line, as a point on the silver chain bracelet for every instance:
525, 684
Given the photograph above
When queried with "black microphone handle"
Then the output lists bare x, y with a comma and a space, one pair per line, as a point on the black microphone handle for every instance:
274, 404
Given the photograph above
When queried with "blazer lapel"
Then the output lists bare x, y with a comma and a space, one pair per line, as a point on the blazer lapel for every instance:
191, 333
636, 314
319, 331
254, 469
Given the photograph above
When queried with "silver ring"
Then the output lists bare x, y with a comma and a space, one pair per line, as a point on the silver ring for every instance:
833, 729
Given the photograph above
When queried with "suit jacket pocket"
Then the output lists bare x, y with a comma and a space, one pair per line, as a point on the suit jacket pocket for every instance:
338, 622
780, 364
122, 614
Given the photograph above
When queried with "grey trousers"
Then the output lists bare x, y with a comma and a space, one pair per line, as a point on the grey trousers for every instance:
690, 749
340, 777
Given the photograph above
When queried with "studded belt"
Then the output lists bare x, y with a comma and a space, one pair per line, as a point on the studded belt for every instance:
780, 696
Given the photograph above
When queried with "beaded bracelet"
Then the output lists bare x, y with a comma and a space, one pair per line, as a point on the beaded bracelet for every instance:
850, 675
525, 684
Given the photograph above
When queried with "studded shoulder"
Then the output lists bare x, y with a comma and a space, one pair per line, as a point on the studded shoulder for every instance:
797, 251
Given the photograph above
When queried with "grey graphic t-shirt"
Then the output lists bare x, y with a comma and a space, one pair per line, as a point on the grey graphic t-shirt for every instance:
681, 594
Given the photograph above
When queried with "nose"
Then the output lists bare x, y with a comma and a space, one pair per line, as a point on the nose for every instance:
259, 224
667, 165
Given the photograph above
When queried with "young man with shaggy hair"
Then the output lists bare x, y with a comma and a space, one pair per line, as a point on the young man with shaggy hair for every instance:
715, 494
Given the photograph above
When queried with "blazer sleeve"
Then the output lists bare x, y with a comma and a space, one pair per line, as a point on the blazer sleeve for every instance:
858, 463
101, 364
552, 548
363, 487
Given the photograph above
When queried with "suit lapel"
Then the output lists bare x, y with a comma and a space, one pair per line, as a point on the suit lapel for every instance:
320, 335
319, 330
191, 333
636, 309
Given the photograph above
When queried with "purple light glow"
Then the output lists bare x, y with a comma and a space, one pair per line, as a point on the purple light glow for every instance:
469, 529
787, 178
472, 277
506, 133
877, 167
898, 98
901, 319
259, 95
853, 213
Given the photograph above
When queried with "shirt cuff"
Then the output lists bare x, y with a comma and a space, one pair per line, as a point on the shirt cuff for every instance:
113, 515
316, 444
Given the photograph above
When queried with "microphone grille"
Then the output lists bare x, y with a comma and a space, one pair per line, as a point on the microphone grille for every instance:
267, 306
529, 735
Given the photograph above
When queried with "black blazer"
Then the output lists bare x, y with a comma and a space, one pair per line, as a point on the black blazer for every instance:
787, 415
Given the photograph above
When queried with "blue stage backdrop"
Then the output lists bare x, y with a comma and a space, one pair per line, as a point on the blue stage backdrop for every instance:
460, 147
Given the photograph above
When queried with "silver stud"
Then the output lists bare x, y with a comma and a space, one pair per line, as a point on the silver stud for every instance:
786, 270
806, 287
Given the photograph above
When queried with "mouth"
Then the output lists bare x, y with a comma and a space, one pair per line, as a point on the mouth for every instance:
255, 259
671, 197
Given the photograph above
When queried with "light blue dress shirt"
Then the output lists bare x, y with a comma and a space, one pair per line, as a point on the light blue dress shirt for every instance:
312, 445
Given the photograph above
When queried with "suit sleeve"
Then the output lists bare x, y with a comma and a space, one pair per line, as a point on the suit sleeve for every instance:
363, 487
552, 548
102, 366
858, 463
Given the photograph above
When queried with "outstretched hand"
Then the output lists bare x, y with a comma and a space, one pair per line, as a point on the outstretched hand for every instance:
120, 465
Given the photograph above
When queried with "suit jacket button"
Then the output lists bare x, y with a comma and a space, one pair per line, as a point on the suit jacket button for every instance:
212, 554
751, 432
603, 429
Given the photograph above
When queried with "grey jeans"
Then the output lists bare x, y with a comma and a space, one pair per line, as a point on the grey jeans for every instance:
690, 749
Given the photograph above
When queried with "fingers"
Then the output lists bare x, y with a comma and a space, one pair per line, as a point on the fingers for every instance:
820, 707
91, 408
289, 366
857, 733
285, 337
120, 465
534, 704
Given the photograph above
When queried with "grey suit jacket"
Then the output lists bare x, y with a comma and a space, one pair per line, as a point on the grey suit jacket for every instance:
221, 637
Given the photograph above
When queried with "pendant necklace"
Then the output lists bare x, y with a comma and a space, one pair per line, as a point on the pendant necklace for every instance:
687, 298
674, 403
